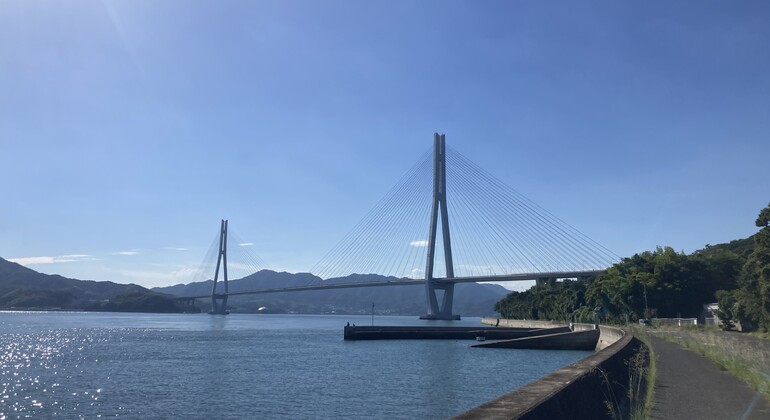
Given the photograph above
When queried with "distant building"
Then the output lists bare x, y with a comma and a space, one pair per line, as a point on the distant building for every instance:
708, 315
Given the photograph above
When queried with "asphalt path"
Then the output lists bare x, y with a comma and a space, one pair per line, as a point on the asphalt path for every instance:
689, 386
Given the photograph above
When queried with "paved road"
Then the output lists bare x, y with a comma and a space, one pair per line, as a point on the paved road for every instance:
689, 386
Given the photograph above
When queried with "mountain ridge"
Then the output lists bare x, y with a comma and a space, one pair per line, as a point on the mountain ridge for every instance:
24, 288
471, 299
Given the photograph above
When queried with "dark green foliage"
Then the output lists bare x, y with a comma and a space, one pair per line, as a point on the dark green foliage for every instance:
741, 247
664, 283
660, 283
728, 308
549, 301
752, 299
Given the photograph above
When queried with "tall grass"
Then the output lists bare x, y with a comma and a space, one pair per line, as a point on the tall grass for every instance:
644, 406
638, 401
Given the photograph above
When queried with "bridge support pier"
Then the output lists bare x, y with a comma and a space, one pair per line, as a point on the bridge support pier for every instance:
433, 286
443, 312
219, 300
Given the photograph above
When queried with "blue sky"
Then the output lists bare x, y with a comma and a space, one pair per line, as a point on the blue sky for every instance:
128, 129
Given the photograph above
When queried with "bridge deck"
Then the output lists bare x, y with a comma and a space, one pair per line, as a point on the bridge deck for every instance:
413, 282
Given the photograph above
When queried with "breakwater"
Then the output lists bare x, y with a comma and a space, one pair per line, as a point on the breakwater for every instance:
607, 335
352, 332
569, 340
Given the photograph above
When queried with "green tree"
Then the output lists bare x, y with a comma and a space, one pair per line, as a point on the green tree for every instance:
754, 294
550, 301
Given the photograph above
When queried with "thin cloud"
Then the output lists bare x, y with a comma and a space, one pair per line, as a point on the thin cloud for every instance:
126, 253
52, 260
175, 248
246, 244
419, 243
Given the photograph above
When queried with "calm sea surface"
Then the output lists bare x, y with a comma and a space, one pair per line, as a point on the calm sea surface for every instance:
143, 366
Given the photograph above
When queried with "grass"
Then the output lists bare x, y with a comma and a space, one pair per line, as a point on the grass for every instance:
642, 372
641, 406
762, 335
747, 356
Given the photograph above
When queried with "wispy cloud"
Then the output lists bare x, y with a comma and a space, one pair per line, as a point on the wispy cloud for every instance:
246, 244
52, 260
175, 248
419, 243
132, 252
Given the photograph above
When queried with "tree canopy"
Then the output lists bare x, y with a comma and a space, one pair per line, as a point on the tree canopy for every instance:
662, 283
749, 304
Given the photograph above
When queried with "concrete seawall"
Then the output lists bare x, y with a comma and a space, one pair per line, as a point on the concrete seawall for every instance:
607, 335
569, 340
578, 391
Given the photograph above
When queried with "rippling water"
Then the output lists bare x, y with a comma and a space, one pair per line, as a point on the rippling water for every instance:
93, 365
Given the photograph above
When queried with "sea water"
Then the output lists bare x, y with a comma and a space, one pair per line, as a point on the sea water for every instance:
144, 366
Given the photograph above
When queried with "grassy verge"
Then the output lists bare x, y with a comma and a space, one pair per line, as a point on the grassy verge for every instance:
643, 401
743, 355
638, 400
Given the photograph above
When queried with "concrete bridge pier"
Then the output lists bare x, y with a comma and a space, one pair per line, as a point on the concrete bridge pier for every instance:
219, 300
439, 210
443, 312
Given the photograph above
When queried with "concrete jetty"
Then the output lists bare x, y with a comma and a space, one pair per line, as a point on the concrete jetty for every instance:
445, 333
571, 340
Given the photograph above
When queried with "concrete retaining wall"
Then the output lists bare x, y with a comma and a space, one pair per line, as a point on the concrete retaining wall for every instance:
569, 340
521, 323
607, 335
578, 391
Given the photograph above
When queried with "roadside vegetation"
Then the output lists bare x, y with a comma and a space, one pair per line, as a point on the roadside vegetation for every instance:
662, 283
744, 355
749, 304
641, 406
637, 402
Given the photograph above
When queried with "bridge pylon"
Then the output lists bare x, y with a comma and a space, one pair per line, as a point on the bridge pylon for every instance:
219, 300
439, 208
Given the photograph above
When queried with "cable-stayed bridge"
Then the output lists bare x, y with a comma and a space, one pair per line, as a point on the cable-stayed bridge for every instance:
446, 221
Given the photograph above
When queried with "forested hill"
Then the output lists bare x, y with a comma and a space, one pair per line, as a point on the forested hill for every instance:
741, 247
24, 288
660, 283
664, 283
470, 299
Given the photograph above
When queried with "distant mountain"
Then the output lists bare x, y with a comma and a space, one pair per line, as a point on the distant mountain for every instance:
24, 288
470, 299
